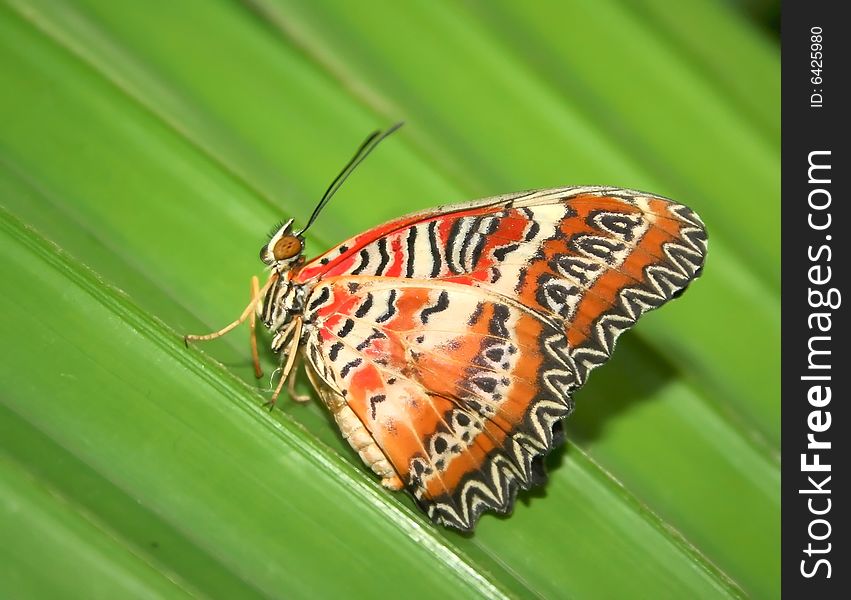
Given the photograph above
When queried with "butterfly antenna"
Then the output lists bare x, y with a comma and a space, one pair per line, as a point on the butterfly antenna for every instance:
366, 147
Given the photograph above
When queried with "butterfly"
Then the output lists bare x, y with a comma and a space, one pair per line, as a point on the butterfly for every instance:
448, 344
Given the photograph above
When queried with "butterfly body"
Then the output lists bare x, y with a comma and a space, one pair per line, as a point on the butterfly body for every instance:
282, 303
448, 344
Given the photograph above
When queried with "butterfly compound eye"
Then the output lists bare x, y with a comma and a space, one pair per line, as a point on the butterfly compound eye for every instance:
286, 247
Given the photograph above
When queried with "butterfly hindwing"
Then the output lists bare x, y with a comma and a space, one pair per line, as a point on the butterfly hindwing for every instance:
454, 384
457, 336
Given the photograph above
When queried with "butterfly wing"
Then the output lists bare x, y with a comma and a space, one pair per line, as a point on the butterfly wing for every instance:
457, 336
450, 381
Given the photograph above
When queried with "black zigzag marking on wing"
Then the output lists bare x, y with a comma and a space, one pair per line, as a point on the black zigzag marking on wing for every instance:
364, 307
518, 463
411, 257
364, 262
435, 249
472, 225
346, 329
385, 257
534, 226
663, 282
324, 294
373, 403
375, 335
441, 305
349, 366
391, 308
334, 352
453, 240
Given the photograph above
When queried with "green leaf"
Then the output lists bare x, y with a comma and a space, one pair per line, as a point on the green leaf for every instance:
144, 154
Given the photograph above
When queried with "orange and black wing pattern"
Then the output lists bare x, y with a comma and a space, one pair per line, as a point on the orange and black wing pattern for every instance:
451, 342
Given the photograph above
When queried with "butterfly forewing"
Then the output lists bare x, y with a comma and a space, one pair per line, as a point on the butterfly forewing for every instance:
457, 336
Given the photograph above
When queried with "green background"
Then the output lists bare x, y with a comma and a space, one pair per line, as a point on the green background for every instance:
147, 147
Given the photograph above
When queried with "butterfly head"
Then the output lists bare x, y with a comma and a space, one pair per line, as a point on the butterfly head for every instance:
284, 250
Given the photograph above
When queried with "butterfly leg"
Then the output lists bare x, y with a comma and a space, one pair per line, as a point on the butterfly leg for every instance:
292, 342
252, 325
302, 398
249, 310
